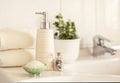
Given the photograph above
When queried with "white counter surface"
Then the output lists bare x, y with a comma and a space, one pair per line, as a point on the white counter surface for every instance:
19, 75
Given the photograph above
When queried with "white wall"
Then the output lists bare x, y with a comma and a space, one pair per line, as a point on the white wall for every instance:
108, 20
91, 16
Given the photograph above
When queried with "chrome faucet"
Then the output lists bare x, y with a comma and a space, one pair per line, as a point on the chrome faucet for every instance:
99, 48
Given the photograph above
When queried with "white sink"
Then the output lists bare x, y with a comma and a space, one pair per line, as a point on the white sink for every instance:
106, 64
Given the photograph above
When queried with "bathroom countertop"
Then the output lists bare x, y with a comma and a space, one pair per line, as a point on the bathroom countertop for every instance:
19, 75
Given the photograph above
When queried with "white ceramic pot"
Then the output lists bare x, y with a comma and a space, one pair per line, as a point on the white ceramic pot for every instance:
69, 49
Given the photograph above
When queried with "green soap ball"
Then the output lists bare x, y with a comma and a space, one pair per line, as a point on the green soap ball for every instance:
34, 67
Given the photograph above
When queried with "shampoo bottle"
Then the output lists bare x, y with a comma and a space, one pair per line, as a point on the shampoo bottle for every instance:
45, 43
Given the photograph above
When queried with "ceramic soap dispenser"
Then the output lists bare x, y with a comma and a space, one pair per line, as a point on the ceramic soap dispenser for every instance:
45, 43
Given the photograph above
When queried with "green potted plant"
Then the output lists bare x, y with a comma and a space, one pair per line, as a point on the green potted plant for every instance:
67, 41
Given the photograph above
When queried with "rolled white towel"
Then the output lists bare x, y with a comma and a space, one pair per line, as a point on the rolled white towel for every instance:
12, 39
13, 58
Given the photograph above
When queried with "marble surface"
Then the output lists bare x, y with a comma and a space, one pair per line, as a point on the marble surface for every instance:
19, 75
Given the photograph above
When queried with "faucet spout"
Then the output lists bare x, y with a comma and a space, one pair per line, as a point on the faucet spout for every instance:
110, 50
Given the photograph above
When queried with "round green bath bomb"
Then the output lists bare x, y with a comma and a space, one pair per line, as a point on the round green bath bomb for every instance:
34, 67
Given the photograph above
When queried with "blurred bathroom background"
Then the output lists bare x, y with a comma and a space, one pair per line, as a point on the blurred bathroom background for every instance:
91, 16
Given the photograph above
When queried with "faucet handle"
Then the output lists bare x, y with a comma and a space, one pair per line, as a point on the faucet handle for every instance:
101, 39
104, 38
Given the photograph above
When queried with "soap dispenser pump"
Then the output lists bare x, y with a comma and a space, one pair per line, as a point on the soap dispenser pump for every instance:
45, 24
45, 43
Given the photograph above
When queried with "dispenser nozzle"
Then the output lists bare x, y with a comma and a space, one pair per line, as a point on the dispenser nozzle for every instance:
44, 14
45, 20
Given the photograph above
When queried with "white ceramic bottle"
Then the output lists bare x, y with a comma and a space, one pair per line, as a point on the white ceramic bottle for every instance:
45, 44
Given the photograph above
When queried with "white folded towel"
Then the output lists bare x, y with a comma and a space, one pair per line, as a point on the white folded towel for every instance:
13, 58
12, 39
